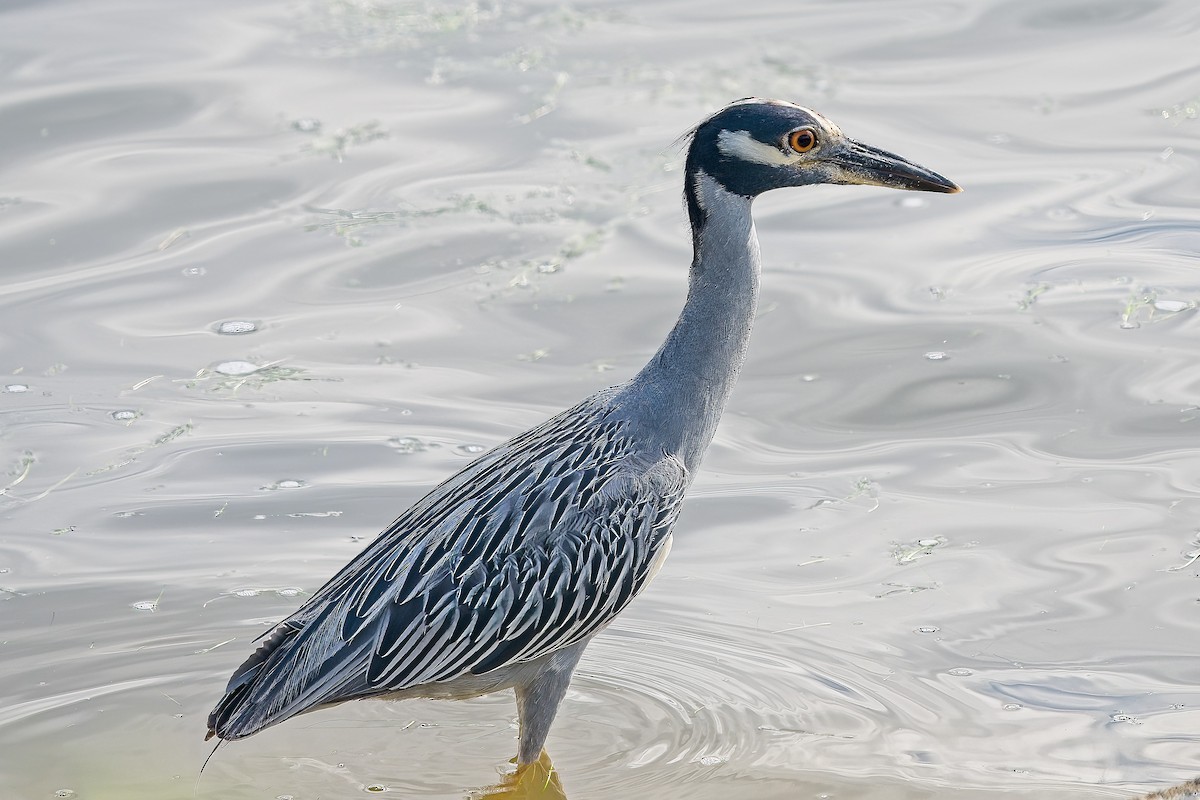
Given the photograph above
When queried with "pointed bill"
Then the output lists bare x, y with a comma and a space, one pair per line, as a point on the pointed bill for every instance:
862, 164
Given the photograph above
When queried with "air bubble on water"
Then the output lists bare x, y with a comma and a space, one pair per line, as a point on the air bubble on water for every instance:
1012, 706
913, 202
145, 605
810, 377
927, 629
1119, 717
193, 272
236, 368
287, 483
711, 761
469, 449
16, 388
65, 793
237, 327
375, 788
960, 672
1172, 306
936, 355
125, 415
307, 125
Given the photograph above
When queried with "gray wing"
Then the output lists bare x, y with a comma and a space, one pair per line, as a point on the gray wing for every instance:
546, 593
534, 547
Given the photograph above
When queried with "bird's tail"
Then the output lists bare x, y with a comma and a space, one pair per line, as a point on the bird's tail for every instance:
233, 717
303, 664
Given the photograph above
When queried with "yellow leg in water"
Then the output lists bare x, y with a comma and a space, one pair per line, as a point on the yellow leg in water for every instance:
535, 781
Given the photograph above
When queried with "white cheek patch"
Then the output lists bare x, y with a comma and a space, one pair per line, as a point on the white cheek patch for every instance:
741, 145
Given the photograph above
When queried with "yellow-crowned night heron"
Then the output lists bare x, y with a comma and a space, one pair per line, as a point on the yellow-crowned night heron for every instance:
500, 576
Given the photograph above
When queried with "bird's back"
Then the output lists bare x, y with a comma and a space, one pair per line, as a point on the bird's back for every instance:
531, 548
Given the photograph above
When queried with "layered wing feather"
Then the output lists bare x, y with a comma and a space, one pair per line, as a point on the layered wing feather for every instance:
535, 546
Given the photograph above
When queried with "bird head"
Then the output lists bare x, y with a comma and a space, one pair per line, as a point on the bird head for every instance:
755, 145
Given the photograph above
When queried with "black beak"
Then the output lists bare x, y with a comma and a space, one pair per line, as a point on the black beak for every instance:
863, 164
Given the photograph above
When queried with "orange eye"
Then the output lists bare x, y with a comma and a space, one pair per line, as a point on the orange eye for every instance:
802, 140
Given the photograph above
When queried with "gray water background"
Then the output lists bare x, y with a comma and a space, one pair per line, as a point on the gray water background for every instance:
944, 544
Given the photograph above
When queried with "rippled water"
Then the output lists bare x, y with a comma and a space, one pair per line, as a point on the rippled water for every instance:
271, 270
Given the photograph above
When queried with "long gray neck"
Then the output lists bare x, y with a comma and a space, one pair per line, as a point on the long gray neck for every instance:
684, 388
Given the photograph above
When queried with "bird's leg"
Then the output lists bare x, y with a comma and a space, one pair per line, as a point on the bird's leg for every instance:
538, 700
536, 781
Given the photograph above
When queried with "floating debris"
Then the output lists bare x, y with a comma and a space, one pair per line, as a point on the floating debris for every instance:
406, 445
337, 143
173, 237
316, 514
1148, 301
20, 470
173, 434
1031, 296
257, 591
233, 375
148, 605
1188, 109
904, 588
927, 629
907, 552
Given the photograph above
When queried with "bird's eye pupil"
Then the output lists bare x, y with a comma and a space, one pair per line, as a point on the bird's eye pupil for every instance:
802, 140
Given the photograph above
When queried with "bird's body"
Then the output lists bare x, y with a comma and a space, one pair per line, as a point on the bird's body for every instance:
500, 576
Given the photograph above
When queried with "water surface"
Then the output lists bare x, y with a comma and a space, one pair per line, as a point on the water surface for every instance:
272, 270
